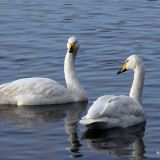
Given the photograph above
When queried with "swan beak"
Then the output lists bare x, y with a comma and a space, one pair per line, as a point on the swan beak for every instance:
71, 47
123, 69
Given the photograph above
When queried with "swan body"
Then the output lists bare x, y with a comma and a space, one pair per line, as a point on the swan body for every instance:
120, 111
40, 91
114, 111
32, 91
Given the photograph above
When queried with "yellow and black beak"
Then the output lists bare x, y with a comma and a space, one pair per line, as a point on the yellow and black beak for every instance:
123, 69
71, 47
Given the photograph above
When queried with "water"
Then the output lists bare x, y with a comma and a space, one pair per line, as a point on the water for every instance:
33, 37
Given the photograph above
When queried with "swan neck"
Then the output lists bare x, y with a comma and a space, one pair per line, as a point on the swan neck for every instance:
74, 87
138, 82
138, 148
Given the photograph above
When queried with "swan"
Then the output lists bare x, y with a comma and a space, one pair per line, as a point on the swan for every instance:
120, 111
40, 91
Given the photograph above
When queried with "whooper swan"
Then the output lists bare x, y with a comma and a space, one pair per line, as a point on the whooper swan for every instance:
120, 111
41, 91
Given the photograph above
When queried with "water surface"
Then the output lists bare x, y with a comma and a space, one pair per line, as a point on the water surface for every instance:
33, 36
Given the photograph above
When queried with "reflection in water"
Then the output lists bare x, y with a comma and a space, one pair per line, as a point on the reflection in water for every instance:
123, 142
73, 117
31, 116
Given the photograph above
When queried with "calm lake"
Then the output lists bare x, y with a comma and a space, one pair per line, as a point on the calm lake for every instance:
33, 36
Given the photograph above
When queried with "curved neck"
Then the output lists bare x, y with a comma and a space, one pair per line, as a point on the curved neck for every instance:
137, 85
73, 85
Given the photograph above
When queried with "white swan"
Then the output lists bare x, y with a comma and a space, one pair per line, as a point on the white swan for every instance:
40, 91
120, 111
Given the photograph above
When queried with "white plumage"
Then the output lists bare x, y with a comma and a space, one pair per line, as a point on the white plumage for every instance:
40, 91
114, 111
120, 111
33, 91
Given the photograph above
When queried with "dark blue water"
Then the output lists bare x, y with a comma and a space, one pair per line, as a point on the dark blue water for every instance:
33, 36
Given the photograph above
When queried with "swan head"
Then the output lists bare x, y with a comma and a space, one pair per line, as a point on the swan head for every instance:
72, 45
132, 62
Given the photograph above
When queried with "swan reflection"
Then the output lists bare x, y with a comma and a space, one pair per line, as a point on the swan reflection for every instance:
121, 142
33, 116
71, 127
